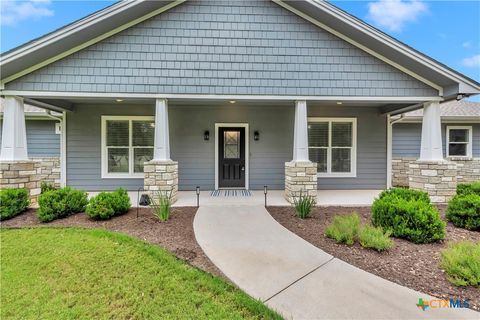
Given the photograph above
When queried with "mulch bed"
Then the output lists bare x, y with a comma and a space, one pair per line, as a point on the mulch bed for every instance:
176, 235
408, 264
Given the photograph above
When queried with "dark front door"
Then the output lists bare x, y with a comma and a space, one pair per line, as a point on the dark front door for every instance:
231, 157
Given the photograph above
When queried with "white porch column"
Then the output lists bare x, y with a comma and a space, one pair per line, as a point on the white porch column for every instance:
431, 146
300, 135
14, 135
162, 140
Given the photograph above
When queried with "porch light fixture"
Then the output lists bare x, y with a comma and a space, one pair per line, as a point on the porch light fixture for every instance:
339, 102
256, 135
206, 135
232, 101
119, 100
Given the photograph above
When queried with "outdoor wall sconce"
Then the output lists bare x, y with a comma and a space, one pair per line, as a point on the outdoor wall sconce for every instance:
206, 135
256, 136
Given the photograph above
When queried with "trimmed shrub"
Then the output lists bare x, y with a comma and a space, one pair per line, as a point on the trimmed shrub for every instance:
468, 188
375, 238
464, 211
46, 186
304, 205
406, 194
344, 229
60, 203
13, 202
161, 203
105, 205
410, 218
461, 262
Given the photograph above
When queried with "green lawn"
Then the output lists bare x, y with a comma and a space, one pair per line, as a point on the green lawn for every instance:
49, 273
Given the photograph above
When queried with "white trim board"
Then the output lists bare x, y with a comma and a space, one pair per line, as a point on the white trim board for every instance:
116, 95
247, 150
104, 158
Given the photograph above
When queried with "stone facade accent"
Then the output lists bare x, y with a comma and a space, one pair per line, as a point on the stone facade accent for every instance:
161, 176
468, 170
300, 178
400, 168
437, 178
30, 174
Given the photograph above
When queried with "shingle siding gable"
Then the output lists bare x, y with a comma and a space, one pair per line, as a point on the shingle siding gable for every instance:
232, 47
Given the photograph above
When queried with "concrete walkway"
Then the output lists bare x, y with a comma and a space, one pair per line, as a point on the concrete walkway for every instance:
297, 279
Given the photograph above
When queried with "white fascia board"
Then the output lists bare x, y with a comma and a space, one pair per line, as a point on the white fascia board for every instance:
113, 95
363, 27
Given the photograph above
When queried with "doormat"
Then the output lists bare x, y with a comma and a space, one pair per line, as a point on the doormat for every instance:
231, 193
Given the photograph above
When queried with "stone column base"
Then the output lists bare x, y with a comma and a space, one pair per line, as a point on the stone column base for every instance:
161, 176
300, 179
21, 174
437, 178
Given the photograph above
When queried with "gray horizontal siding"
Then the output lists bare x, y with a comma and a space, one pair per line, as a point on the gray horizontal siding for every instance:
196, 157
371, 148
225, 47
84, 146
407, 139
42, 141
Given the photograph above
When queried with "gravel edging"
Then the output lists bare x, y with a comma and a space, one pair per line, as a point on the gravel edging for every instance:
176, 235
408, 264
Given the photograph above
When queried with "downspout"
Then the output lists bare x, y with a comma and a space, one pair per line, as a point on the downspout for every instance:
63, 146
389, 146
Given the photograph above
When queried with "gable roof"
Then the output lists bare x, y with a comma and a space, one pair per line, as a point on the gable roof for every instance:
122, 15
453, 109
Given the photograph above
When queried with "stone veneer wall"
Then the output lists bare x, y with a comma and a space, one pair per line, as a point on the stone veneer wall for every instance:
438, 178
161, 176
30, 174
468, 170
300, 178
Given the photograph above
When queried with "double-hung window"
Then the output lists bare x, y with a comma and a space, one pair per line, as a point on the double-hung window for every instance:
127, 142
459, 141
332, 145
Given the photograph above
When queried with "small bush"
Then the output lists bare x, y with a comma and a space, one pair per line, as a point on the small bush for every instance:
406, 194
344, 229
105, 205
13, 202
60, 203
464, 211
46, 186
161, 203
414, 219
304, 205
461, 261
468, 188
375, 238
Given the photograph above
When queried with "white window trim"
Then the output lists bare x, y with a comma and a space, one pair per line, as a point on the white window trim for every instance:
117, 175
469, 143
329, 174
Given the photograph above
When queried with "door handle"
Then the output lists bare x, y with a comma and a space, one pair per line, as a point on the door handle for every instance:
243, 168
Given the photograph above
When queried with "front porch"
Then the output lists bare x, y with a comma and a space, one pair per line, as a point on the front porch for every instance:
176, 145
341, 198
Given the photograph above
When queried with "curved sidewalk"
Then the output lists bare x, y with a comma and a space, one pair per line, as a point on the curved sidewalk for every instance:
297, 279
